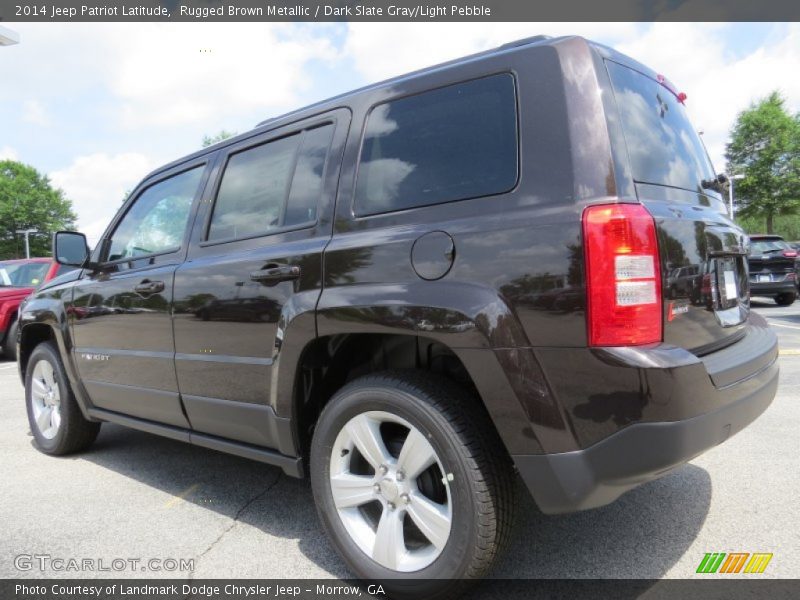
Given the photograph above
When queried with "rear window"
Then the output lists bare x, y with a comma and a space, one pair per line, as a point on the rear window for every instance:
767, 246
663, 146
448, 144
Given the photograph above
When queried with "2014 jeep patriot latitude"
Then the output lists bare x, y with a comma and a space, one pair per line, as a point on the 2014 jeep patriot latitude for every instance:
414, 290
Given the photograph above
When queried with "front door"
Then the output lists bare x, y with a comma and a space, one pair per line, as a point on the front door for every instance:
121, 322
255, 260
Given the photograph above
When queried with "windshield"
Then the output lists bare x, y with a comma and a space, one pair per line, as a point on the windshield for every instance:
22, 274
768, 246
663, 146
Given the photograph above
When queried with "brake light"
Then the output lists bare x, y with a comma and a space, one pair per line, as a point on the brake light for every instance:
623, 276
790, 253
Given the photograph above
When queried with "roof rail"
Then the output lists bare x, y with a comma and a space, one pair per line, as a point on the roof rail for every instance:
524, 41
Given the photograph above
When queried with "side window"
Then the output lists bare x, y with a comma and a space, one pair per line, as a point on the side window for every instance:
448, 144
307, 180
157, 221
272, 186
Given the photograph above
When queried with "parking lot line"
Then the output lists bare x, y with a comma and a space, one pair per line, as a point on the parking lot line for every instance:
179, 498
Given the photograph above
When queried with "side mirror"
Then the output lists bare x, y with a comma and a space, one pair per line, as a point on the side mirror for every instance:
70, 248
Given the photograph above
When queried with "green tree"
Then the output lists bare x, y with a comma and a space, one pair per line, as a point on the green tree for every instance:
765, 148
28, 201
210, 140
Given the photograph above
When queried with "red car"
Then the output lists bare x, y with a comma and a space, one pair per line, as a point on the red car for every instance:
18, 278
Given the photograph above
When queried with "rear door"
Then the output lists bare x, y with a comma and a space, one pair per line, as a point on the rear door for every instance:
255, 261
703, 253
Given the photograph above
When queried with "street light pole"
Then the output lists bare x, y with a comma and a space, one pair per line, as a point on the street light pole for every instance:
26, 233
731, 179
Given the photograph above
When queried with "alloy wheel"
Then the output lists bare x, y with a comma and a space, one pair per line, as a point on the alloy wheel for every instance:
390, 491
46, 399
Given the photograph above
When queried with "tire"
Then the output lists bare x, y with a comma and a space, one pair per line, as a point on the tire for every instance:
786, 299
451, 428
10, 344
47, 392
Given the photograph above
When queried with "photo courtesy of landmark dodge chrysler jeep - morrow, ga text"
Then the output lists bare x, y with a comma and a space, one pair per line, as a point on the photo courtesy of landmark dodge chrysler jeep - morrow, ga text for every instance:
416, 292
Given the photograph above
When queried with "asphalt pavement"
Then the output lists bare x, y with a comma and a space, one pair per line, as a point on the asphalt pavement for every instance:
145, 501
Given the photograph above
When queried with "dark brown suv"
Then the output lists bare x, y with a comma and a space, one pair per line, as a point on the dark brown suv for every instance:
510, 263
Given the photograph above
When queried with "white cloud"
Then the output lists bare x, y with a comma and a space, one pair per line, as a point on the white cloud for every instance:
168, 74
190, 72
97, 183
8, 153
383, 50
34, 112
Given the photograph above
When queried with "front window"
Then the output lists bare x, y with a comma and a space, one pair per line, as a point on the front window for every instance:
156, 223
22, 274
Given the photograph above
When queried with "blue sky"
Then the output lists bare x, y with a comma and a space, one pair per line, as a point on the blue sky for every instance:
96, 106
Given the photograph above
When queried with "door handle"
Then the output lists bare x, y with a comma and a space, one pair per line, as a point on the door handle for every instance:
274, 273
149, 287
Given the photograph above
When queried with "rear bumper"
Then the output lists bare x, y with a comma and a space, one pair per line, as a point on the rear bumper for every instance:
640, 452
772, 288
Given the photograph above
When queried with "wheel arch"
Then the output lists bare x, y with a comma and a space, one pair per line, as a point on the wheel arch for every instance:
479, 344
42, 320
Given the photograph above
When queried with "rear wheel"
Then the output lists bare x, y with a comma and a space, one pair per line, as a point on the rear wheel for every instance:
411, 483
53, 413
10, 345
786, 299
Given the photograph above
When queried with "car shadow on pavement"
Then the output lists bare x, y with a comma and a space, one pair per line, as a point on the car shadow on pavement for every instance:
640, 536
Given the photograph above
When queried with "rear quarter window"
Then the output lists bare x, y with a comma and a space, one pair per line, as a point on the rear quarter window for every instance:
448, 144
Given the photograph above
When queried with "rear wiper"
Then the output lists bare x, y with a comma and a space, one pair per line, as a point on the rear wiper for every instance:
718, 184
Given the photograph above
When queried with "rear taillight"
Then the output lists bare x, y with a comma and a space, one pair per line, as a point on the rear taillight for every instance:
623, 276
790, 253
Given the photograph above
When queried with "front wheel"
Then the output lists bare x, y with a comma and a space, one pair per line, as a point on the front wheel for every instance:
786, 299
412, 483
53, 413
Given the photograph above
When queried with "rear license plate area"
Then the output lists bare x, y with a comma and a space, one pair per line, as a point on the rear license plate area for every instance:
728, 281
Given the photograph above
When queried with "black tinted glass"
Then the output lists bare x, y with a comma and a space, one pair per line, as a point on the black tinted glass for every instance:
307, 180
253, 191
157, 220
663, 146
448, 144
766, 246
